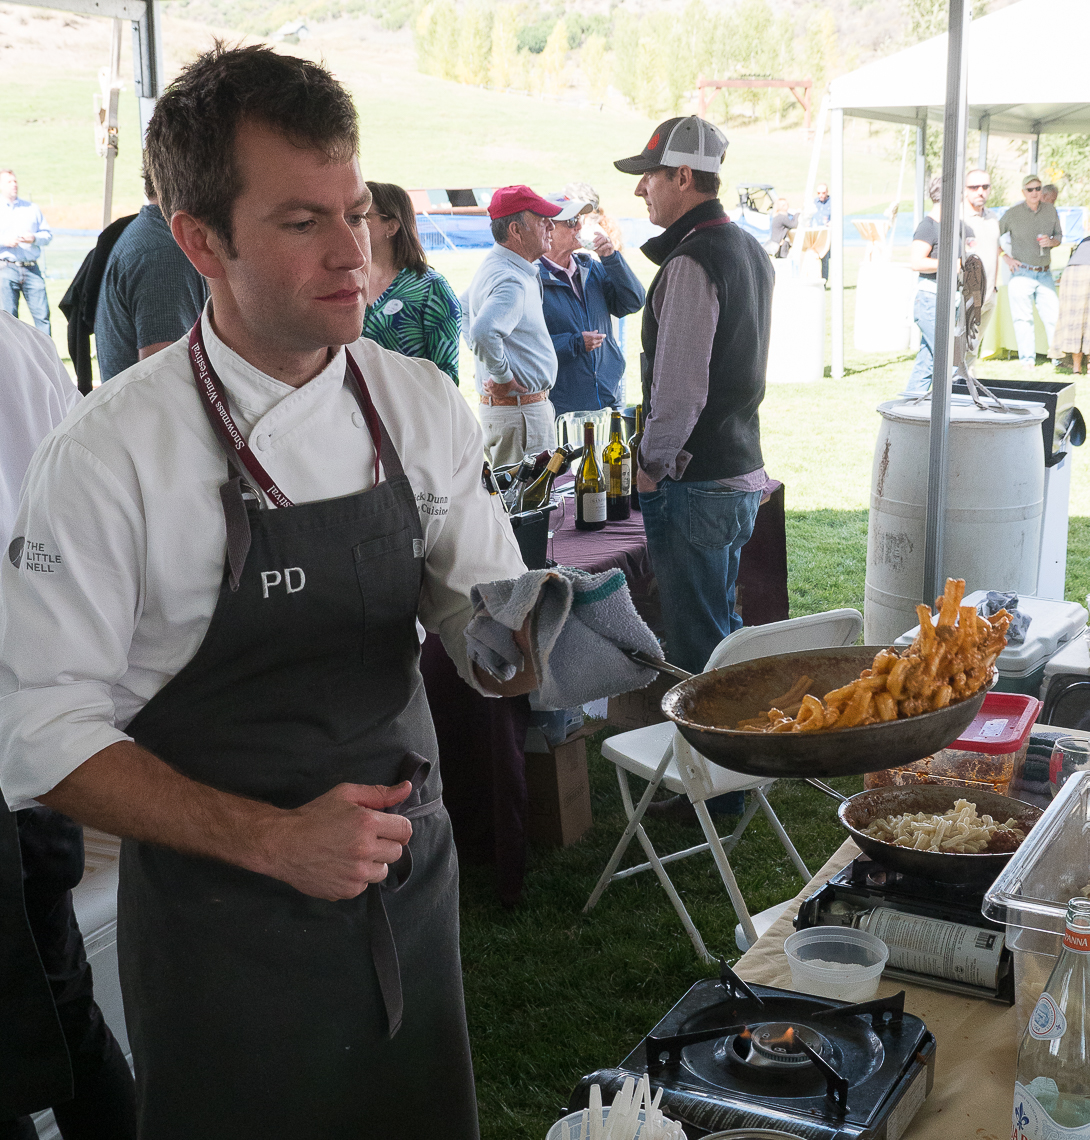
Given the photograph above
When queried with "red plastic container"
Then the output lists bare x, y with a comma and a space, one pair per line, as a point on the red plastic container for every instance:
1001, 726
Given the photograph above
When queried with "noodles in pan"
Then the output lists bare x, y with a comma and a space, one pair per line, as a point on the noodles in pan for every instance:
959, 831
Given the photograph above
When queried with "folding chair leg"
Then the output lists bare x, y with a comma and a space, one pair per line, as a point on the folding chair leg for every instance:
784, 838
634, 817
675, 898
725, 872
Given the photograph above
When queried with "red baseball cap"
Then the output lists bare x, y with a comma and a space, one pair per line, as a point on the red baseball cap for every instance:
514, 199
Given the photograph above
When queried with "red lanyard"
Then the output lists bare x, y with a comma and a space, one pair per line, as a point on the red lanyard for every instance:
219, 415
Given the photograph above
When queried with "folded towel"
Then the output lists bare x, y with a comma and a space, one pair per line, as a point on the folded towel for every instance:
995, 601
581, 625
1032, 785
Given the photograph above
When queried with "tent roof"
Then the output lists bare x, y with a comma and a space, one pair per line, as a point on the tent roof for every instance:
1020, 74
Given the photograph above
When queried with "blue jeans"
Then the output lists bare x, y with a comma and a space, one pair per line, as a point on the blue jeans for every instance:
923, 370
695, 534
1026, 290
25, 279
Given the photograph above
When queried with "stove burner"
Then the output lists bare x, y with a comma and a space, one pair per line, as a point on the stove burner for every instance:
778, 1044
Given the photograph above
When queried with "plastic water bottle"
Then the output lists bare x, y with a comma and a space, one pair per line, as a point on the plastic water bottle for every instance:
1052, 1088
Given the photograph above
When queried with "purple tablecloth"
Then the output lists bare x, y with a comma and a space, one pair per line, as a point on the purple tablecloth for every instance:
481, 740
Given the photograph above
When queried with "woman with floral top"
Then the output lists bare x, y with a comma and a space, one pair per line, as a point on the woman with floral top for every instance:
411, 308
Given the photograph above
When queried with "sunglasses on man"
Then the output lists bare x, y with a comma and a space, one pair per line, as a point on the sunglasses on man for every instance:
979, 186
1033, 189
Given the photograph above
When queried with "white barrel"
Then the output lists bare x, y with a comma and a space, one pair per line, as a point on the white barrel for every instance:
796, 350
994, 507
884, 296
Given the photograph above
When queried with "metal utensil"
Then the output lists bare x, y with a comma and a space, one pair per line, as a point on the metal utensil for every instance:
705, 706
858, 812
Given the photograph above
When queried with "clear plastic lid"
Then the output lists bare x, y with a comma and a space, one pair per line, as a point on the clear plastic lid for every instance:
1051, 867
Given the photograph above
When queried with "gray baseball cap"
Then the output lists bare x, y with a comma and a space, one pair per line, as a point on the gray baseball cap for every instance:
689, 141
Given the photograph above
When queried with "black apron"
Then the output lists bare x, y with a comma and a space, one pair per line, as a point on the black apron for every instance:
257, 1012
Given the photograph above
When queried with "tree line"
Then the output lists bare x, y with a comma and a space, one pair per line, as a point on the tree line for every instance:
653, 60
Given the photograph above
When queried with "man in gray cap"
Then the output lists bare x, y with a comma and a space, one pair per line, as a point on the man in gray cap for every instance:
706, 326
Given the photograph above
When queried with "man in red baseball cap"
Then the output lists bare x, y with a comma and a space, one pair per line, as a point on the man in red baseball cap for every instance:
505, 327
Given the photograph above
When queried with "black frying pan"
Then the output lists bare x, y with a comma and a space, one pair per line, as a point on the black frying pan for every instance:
706, 707
858, 812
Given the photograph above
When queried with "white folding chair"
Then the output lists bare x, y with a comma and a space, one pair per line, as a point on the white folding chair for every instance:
660, 755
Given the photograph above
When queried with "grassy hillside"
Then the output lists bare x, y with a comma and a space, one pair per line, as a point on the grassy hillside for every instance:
417, 130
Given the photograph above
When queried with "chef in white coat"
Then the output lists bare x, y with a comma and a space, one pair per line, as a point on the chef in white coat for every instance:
208, 646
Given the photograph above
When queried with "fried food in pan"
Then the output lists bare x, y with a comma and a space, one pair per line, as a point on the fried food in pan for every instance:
950, 660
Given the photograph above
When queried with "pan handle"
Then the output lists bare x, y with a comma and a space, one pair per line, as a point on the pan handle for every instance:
822, 787
655, 663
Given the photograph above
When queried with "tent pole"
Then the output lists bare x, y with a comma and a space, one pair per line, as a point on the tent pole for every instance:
985, 123
953, 176
1034, 150
921, 173
836, 262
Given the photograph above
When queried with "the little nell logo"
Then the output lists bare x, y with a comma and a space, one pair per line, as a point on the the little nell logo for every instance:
1048, 1022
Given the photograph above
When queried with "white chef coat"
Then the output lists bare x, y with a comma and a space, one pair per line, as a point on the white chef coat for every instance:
125, 536
35, 395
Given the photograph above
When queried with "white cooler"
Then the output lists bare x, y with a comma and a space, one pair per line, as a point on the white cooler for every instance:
1066, 686
1022, 667
95, 902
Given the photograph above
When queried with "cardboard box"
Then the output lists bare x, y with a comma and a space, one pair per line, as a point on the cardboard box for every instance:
640, 707
558, 790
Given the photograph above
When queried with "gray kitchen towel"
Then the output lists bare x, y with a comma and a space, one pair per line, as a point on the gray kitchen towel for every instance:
996, 601
581, 625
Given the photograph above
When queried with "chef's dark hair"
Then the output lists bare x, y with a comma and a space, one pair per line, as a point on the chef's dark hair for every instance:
394, 203
191, 135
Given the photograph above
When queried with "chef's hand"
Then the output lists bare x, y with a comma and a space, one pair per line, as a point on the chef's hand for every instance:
644, 482
603, 247
335, 846
510, 388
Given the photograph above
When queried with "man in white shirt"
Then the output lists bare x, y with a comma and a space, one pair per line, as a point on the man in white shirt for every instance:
985, 228
23, 232
504, 325
56, 1050
218, 661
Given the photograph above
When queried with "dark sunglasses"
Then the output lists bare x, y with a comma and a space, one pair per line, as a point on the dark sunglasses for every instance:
572, 223
1033, 189
979, 186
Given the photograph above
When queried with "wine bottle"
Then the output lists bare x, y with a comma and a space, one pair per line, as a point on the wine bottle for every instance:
1052, 1086
523, 475
634, 449
617, 461
590, 487
536, 494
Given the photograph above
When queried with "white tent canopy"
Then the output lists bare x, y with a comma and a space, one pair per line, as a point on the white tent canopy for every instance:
1021, 83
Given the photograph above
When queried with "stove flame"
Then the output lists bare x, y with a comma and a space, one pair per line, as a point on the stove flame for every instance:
785, 1043
745, 1035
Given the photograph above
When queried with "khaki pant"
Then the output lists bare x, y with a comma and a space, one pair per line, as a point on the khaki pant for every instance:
511, 433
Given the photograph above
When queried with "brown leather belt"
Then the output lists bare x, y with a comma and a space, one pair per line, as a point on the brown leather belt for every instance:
514, 401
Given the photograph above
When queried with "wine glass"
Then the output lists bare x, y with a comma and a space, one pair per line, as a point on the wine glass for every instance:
1070, 754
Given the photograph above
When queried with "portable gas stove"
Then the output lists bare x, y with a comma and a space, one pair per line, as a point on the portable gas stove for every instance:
978, 965
732, 1056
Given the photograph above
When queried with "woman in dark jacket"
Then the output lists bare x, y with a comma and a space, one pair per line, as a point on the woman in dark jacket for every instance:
580, 296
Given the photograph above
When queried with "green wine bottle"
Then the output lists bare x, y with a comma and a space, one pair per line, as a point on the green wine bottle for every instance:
617, 460
590, 487
634, 449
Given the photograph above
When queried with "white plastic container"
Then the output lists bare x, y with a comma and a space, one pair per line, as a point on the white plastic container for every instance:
1032, 891
1022, 667
796, 350
884, 297
836, 962
995, 502
570, 1127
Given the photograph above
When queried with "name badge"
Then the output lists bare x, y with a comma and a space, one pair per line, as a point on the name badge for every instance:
391, 307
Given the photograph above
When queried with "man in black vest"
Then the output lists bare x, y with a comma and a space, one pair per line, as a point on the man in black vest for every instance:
705, 347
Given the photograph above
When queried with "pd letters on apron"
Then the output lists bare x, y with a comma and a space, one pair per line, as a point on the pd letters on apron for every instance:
257, 1012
